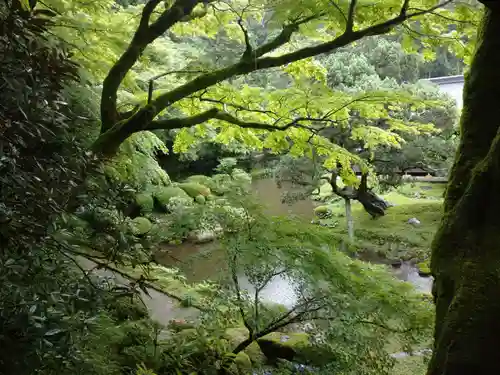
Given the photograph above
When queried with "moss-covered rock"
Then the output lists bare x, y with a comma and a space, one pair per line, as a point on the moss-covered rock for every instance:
200, 199
424, 268
239, 334
210, 198
140, 226
202, 180
322, 211
286, 346
145, 202
164, 195
194, 189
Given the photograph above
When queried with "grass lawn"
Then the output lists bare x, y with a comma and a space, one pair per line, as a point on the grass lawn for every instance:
391, 236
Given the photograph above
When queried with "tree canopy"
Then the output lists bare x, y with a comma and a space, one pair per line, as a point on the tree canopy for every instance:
189, 90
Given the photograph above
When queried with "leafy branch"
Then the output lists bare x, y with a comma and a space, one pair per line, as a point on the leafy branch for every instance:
121, 127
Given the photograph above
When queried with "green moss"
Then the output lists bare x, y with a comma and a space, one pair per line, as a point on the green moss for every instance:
236, 335
293, 340
200, 199
210, 198
410, 365
422, 190
391, 235
325, 190
145, 202
141, 226
163, 195
193, 189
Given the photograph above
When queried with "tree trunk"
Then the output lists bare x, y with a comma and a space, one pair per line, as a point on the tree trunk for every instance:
466, 250
350, 221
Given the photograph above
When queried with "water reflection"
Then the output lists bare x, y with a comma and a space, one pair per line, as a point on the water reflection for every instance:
279, 290
408, 272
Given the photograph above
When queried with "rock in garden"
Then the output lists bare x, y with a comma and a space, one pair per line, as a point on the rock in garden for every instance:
413, 221
202, 236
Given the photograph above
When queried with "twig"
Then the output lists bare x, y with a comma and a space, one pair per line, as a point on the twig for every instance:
238, 296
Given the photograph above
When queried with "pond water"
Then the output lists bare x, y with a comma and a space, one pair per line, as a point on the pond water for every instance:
206, 261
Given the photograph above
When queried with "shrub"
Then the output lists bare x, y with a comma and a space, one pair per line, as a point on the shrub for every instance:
145, 202
164, 195
140, 226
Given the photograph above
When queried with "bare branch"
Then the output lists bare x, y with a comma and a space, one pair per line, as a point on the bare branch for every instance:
108, 266
280, 323
248, 47
146, 14
241, 68
256, 310
350, 16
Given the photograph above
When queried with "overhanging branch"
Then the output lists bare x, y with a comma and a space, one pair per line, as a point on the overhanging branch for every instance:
144, 36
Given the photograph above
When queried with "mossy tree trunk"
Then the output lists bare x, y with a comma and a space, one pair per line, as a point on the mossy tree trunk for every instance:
466, 250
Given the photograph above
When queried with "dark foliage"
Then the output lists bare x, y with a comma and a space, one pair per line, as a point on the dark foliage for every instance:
42, 298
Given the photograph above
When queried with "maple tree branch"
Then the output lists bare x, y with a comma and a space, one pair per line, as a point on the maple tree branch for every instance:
107, 143
144, 35
244, 67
